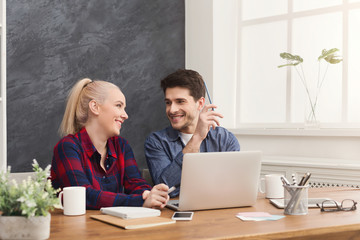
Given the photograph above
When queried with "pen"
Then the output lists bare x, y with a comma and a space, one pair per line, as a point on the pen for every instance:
207, 91
293, 178
286, 184
173, 188
304, 179
284, 181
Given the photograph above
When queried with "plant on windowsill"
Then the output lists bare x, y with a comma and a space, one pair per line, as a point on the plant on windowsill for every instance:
25, 207
312, 93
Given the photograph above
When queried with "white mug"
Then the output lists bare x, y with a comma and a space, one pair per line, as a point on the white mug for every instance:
273, 186
74, 200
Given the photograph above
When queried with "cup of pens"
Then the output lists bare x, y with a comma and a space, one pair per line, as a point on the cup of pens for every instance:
296, 199
296, 196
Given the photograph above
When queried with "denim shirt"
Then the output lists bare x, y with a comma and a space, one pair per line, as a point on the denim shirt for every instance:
164, 156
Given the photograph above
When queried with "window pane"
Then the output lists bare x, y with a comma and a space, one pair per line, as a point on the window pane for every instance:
302, 5
354, 70
310, 36
262, 84
251, 9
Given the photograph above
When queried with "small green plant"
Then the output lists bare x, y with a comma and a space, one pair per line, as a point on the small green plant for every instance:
33, 197
294, 60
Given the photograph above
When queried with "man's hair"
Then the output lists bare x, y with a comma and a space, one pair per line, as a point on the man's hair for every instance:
188, 79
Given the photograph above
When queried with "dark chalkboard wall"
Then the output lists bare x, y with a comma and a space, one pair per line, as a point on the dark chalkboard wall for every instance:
52, 44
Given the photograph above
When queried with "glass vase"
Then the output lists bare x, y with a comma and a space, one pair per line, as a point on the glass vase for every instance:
311, 110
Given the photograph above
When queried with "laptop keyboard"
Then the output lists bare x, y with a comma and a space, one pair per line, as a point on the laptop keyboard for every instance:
173, 204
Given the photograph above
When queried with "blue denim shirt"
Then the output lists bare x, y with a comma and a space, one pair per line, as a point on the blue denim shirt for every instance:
164, 156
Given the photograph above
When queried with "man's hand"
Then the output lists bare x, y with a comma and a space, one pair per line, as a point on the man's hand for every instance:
207, 120
157, 197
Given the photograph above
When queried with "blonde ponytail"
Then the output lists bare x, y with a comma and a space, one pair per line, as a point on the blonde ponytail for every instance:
69, 124
77, 107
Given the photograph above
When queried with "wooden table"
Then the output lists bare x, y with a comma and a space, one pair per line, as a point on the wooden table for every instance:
222, 223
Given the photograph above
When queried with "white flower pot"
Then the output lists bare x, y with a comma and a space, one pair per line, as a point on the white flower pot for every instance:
17, 227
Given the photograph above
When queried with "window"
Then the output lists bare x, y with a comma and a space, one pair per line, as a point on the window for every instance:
270, 96
264, 105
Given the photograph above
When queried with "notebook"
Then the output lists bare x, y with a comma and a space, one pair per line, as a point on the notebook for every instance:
218, 180
133, 223
279, 203
130, 212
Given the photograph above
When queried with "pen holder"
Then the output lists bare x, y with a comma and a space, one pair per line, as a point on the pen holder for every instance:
296, 199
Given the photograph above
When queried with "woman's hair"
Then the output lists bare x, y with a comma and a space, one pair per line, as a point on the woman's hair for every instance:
77, 107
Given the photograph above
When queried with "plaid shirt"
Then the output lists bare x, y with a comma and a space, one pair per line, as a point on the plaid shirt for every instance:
76, 162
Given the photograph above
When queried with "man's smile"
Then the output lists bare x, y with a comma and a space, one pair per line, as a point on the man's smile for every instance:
176, 117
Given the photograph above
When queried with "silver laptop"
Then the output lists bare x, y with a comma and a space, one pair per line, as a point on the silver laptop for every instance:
218, 180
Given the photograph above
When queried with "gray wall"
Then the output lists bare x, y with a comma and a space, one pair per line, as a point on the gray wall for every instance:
51, 44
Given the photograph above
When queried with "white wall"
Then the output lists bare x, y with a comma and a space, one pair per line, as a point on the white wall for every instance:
224, 69
211, 38
199, 38
336, 148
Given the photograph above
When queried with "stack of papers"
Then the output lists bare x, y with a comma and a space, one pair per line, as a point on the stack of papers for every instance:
258, 216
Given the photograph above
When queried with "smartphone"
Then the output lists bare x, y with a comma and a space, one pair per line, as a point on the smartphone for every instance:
182, 215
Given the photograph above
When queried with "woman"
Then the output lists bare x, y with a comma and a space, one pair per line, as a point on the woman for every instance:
93, 155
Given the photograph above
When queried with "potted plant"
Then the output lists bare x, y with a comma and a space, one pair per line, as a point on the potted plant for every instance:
25, 206
313, 92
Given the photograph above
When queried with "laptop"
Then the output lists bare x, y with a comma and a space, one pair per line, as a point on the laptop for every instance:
218, 180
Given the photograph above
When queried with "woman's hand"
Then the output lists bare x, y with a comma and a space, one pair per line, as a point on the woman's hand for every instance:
157, 197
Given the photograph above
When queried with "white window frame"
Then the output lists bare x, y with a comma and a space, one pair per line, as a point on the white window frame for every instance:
3, 138
215, 59
329, 128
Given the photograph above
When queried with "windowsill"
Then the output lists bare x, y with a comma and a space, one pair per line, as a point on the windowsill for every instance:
321, 163
328, 132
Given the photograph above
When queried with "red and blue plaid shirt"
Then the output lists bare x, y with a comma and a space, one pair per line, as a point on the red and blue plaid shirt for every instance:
76, 162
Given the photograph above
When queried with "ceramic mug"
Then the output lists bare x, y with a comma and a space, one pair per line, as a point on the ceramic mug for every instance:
73, 200
273, 186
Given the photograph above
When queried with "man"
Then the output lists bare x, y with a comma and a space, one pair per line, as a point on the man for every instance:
194, 128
